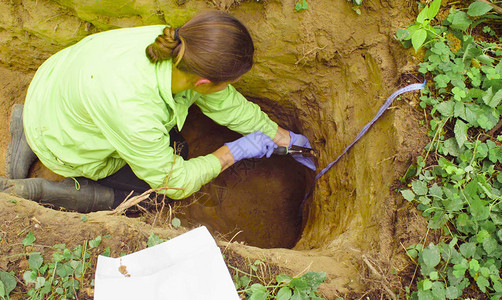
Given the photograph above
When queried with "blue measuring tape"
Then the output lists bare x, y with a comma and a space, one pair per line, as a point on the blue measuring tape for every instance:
388, 102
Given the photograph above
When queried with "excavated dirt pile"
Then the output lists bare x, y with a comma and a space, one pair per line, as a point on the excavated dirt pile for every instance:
322, 72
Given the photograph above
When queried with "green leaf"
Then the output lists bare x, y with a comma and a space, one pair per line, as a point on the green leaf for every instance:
482, 236
446, 108
436, 191
425, 295
478, 8
438, 290
434, 9
419, 187
497, 286
408, 194
283, 278
471, 51
29, 277
474, 265
314, 279
258, 292
492, 100
460, 132
482, 283
434, 275
35, 261
402, 34
95, 242
479, 211
453, 292
468, 249
39, 282
107, 252
176, 222
426, 284
2, 290
459, 20
418, 38
154, 239
29, 239
431, 256
9, 281
490, 245
301, 5
284, 293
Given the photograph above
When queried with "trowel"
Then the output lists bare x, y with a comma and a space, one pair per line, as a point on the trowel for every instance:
294, 150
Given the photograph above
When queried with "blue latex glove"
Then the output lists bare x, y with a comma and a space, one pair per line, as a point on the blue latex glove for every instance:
253, 145
302, 141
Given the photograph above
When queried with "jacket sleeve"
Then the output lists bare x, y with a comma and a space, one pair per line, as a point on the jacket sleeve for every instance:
141, 139
229, 108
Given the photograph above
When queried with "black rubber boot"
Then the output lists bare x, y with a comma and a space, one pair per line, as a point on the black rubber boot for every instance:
20, 157
90, 197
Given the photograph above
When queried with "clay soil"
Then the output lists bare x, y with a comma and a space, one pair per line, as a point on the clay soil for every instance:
323, 72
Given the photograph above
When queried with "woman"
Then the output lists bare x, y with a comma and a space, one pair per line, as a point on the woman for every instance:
107, 114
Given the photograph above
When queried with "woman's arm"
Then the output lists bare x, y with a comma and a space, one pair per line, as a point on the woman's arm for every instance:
282, 137
224, 156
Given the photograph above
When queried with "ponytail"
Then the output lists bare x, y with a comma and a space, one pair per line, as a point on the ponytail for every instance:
213, 45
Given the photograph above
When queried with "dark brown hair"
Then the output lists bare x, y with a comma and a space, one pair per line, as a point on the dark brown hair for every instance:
213, 45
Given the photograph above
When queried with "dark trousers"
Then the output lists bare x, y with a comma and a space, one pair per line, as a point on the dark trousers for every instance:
124, 180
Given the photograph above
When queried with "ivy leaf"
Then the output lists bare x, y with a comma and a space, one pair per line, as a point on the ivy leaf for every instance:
460, 132
478, 8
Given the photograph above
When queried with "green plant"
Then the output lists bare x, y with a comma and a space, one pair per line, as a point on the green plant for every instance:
457, 184
301, 5
421, 30
356, 5
62, 276
283, 287
7, 284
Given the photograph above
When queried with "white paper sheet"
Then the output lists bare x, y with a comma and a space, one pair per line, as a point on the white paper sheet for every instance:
189, 266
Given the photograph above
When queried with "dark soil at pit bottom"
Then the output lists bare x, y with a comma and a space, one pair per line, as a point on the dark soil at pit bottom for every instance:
256, 201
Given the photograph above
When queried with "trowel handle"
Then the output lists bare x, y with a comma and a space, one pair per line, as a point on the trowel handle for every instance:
281, 151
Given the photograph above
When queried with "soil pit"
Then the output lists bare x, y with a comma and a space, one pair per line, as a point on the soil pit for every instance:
256, 201
322, 72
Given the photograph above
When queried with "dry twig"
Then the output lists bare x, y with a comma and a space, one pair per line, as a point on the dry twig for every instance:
380, 277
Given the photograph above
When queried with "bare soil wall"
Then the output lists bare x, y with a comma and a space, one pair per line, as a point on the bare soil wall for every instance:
323, 72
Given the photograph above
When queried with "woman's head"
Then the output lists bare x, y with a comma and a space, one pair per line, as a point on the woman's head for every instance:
213, 45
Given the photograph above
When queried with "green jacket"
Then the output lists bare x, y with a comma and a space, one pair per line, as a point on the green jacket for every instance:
99, 104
